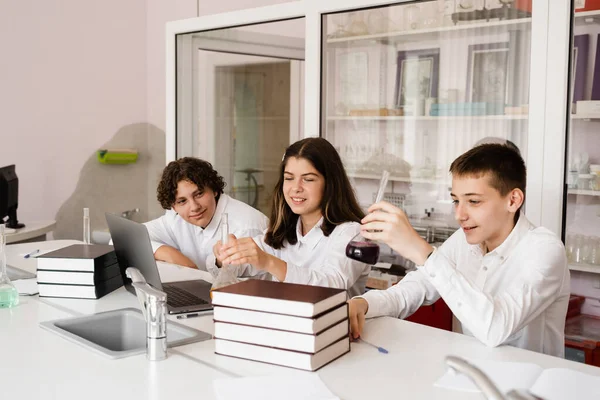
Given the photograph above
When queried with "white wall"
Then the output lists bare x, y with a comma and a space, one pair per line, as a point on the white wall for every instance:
72, 73
159, 12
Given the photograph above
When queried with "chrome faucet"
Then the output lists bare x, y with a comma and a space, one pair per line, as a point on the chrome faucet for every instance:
484, 383
128, 214
153, 303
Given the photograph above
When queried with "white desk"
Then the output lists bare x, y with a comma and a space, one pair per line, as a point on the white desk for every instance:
43, 364
15, 252
37, 364
33, 231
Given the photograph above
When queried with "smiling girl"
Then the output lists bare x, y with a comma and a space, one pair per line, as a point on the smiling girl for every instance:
313, 217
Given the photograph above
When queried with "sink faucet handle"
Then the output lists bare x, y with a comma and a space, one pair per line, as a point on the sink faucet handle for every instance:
481, 380
150, 293
146, 294
135, 275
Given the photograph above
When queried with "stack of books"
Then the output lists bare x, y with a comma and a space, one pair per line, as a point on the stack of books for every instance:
298, 326
82, 271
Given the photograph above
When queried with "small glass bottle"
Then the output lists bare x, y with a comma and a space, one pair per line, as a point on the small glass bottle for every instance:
227, 273
86, 226
9, 295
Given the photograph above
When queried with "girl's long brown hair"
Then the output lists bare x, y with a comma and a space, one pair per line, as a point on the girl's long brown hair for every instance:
338, 204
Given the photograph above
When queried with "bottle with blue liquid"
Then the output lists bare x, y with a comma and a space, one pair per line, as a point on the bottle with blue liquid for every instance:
9, 295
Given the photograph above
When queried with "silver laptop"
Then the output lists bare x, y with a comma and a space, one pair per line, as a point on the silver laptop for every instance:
133, 248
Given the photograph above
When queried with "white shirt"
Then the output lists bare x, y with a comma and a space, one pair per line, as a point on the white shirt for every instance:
320, 260
516, 294
197, 243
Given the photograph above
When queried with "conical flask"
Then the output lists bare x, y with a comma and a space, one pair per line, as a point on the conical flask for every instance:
9, 295
361, 248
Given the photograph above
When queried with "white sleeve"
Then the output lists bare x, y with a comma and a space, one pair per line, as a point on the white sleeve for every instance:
402, 299
493, 319
413, 291
161, 232
336, 270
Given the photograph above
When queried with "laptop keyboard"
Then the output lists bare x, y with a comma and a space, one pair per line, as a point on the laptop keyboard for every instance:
177, 297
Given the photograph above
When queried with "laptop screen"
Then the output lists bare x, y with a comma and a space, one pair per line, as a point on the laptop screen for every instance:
133, 249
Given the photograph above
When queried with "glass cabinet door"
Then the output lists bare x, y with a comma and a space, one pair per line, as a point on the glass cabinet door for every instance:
582, 215
239, 102
409, 87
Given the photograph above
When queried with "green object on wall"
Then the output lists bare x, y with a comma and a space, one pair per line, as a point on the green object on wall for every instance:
117, 156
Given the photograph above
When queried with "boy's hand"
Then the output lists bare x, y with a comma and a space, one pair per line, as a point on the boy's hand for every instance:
357, 308
218, 247
390, 225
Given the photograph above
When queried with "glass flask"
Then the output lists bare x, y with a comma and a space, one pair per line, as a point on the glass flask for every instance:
9, 295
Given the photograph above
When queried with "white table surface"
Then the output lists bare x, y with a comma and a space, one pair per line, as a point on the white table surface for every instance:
31, 230
42, 364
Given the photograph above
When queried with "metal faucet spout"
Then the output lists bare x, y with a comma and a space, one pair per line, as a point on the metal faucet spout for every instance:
153, 303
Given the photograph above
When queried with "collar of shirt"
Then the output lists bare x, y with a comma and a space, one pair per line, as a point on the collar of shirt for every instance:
514, 237
312, 237
213, 225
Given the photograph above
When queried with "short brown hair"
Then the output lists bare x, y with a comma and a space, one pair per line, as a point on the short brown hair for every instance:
505, 166
338, 204
191, 169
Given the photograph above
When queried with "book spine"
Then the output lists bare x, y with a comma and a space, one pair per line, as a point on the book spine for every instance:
104, 288
80, 291
78, 277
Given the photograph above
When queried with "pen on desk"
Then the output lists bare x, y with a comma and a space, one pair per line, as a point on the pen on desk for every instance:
31, 254
186, 316
379, 349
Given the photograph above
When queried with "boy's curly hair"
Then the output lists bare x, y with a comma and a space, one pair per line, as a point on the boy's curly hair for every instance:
191, 169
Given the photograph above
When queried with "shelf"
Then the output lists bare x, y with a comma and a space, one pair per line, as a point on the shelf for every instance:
595, 269
434, 33
587, 17
400, 179
587, 117
484, 27
428, 118
584, 192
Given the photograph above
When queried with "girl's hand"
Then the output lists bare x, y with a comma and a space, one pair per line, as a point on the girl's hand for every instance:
217, 250
244, 251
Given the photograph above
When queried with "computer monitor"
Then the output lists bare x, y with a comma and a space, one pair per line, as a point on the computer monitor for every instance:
9, 195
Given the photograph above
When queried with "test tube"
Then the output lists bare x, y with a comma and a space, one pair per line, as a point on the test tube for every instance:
382, 184
86, 226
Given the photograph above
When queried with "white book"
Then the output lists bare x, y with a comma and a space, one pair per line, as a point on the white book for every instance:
281, 321
78, 277
80, 291
308, 343
78, 257
548, 384
286, 358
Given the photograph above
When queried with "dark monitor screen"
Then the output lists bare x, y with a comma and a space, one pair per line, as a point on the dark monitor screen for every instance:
9, 196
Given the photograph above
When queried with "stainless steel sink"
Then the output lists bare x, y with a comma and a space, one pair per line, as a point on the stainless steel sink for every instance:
118, 333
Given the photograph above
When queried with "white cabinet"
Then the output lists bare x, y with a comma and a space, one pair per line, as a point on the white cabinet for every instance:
582, 210
408, 86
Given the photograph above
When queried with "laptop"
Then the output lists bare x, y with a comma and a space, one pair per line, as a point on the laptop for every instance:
133, 248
